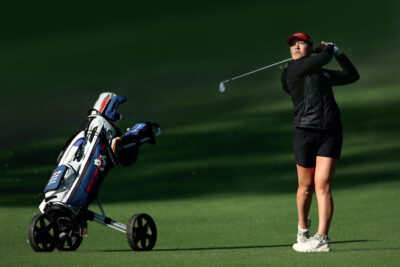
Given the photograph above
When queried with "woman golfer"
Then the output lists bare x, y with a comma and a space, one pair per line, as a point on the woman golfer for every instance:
317, 141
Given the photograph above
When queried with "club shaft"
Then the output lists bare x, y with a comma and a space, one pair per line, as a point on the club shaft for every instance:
263, 68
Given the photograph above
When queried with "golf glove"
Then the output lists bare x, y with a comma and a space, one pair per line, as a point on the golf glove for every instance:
336, 51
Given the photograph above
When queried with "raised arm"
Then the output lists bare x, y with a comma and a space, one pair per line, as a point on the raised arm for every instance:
306, 65
348, 74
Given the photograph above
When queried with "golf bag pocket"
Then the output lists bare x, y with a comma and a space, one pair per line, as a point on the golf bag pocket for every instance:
56, 178
71, 149
132, 140
128, 153
93, 172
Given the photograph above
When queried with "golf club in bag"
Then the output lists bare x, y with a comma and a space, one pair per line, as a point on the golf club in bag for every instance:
222, 84
83, 163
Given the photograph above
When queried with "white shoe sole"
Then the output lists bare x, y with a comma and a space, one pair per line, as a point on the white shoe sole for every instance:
323, 248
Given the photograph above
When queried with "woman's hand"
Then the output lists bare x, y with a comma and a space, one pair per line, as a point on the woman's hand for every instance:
323, 44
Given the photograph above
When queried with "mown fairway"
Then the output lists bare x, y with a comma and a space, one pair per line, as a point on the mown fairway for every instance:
220, 182
228, 230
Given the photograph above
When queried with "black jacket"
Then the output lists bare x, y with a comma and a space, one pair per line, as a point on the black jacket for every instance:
310, 88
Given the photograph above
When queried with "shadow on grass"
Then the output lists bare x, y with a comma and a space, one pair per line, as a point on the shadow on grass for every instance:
179, 88
247, 157
233, 247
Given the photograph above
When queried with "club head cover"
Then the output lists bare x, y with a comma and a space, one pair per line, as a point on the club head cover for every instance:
107, 105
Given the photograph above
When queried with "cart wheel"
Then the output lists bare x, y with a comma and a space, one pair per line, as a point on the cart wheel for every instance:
69, 242
141, 232
42, 235
69, 238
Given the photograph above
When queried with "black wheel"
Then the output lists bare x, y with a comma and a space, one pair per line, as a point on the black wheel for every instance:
69, 238
70, 242
42, 233
141, 232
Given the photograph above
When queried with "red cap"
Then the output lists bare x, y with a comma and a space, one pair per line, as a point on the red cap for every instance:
300, 35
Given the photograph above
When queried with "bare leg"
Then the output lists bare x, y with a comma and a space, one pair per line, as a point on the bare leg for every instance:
324, 172
304, 193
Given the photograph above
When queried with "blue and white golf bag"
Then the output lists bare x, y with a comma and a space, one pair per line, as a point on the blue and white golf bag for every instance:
92, 152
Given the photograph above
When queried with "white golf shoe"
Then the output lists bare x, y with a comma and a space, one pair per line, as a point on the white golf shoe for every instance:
318, 243
303, 235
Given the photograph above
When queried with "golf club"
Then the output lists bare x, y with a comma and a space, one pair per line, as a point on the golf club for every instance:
222, 84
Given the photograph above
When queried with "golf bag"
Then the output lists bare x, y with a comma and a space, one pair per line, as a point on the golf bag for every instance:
90, 154
83, 163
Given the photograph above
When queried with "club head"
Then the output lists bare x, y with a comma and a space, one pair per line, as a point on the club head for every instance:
221, 87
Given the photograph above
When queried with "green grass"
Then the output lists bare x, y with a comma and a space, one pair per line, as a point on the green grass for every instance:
221, 181
227, 230
231, 207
